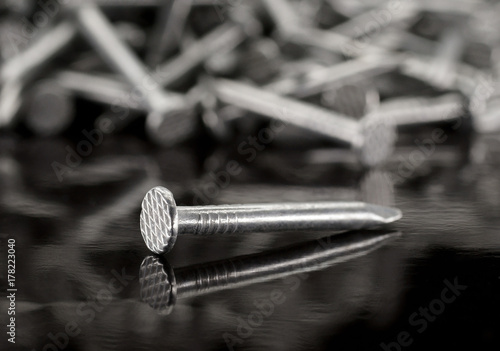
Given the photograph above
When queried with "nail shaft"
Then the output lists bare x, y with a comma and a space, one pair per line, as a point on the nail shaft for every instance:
101, 89
208, 220
319, 79
289, 110
106, 41
418, 111
168, 30
39, 52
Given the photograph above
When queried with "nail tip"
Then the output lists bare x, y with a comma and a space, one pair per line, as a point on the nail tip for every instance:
385, 214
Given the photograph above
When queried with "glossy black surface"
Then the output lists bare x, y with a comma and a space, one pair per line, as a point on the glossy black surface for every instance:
74, 237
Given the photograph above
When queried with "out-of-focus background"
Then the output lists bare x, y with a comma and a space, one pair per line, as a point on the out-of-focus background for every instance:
393, 102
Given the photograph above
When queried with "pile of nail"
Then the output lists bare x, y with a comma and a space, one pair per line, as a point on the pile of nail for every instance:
350, 73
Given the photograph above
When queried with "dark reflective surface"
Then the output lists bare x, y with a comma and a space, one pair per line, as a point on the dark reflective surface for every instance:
79, 250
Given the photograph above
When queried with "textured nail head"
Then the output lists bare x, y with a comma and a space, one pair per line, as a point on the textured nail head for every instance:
158, 288
159, 220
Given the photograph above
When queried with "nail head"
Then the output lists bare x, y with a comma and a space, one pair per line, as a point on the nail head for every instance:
159, 220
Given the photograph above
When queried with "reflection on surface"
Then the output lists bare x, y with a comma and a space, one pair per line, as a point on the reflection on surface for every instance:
161, 285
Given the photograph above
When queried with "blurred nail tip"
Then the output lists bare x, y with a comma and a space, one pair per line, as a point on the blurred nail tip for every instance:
386, 214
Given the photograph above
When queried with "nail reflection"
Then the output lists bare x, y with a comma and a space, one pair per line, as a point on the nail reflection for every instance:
161, 285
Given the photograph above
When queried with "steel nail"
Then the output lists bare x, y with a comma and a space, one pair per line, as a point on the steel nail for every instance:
10, 27
295, 29
223, 38
168, 30
125, 103
16, 71
100, 88
39, 52
418, 110
448, 52
351, 27
284, 15
171, 118
10, 102
161, 220
372, 138
320, 79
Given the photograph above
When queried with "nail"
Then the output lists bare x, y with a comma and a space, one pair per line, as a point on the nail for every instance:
442, 70
30, 61
352, 27
162, 286
101, 34
449, 51
16, 71
125, 106
100, 88
10, 102
295, 29
394, 39
418, 110
168, 29
463, 77
129, 32
284, 15
320, 79
488, 120
161, 220
372, 139
171, 118
222, 39
10, 27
